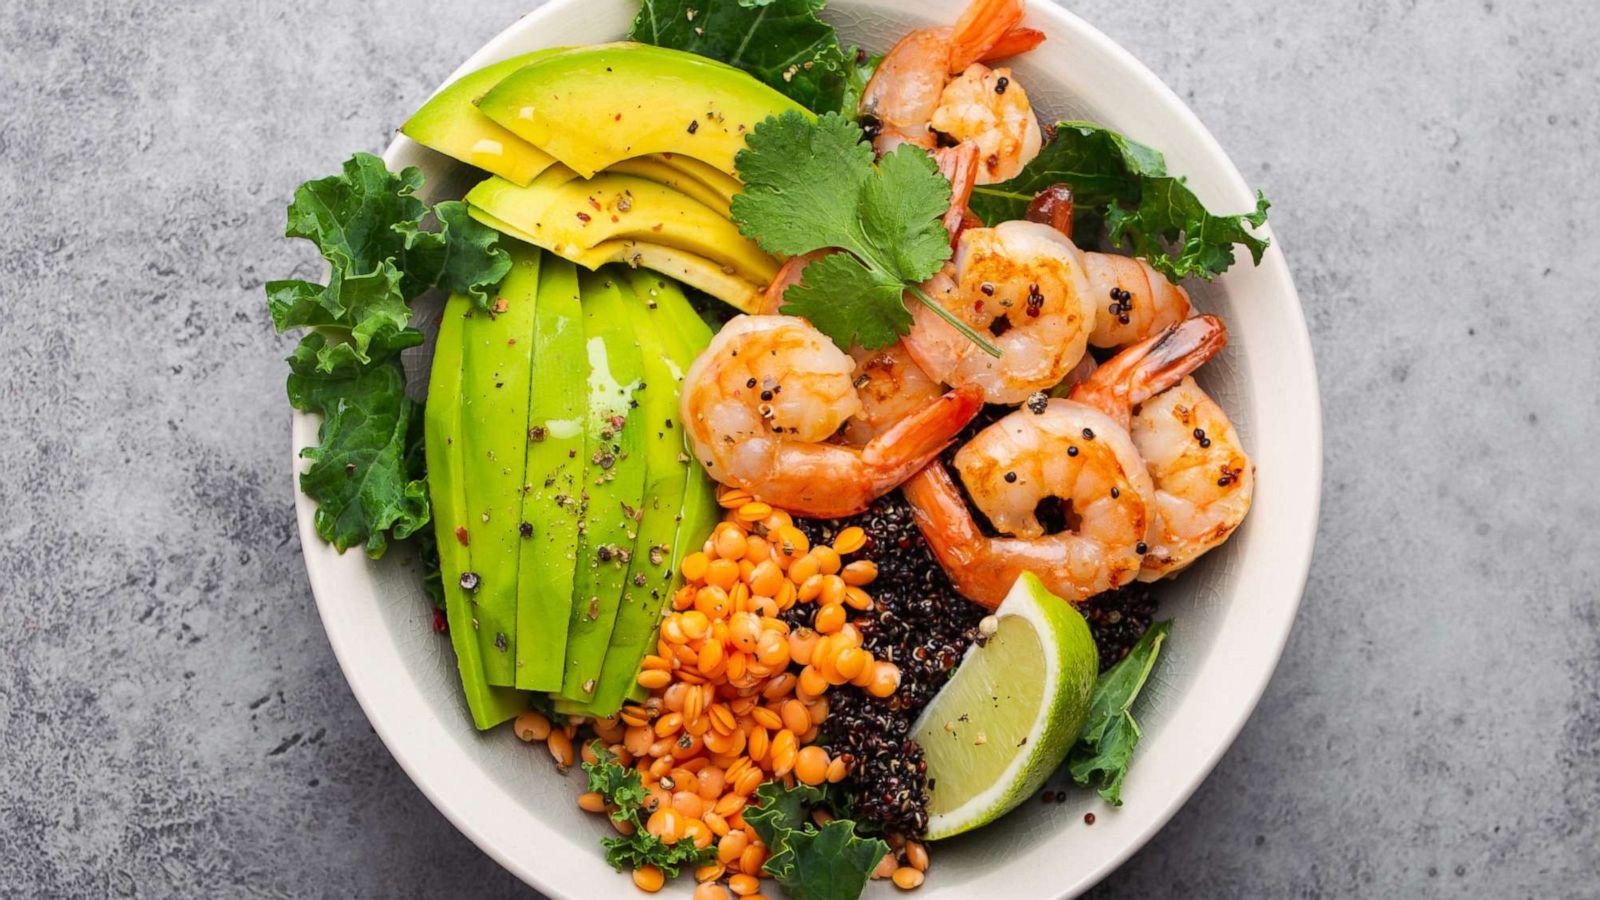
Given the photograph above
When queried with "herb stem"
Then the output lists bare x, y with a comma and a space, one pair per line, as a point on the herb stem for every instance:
957, 324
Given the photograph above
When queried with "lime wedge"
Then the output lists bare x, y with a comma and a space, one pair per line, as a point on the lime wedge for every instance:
1007, 719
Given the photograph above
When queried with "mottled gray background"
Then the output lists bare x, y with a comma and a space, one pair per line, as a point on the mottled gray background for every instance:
172, 722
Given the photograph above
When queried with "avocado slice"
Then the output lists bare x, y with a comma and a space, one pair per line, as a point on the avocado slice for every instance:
596, 106
654, 168
612, 488
495, 376
550, 499
452, 125
695, 271
680, 503
442, 445
567, 215
724, 184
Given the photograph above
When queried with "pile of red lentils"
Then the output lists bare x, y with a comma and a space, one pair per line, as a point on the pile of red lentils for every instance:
738, 696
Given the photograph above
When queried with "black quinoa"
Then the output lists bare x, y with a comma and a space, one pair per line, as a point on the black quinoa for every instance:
1118, 618
920, 623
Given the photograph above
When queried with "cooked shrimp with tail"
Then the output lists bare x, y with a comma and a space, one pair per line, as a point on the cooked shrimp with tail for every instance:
1135, 300
761, 402
1025, 284
1077, 452
1203, 479
933, 82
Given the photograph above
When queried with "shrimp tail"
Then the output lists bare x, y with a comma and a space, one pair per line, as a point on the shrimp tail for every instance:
947, 525
912, 442
1015, 42
1151, 366
788, 276
959, 166
984, 25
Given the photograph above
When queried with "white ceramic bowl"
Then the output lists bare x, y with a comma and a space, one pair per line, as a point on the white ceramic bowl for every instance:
1232, 612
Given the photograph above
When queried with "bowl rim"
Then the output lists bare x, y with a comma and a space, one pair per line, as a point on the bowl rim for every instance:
448, 793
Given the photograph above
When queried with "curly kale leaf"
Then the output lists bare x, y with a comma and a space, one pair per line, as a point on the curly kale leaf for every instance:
1105, 746
367, 474
781, 42
623, 790
811, 863
1123, 196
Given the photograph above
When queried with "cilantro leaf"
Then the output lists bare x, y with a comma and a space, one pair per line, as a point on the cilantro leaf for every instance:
811, 863
1105, 746
850, 303
813, 185
364, 477
1123, 196
623, 789
780, 42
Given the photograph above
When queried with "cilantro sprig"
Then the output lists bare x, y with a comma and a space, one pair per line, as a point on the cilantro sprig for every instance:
813, 185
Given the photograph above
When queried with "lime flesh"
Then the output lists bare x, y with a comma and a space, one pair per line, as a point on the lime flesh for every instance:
1007, 719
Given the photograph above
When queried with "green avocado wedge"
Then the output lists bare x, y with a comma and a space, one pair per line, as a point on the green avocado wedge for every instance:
568, 215
612, 487
488, 705
554, 479
451, 124
677, 496
596, 106
495, 376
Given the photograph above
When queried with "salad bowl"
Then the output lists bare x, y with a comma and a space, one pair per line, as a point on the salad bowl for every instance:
1231, 614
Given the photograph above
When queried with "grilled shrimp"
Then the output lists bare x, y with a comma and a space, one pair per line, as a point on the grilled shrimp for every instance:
760, 401
934, 80
1026, 284
1142, 300
888, 382
891, 386
1203, 479
1076, 451
1133, 301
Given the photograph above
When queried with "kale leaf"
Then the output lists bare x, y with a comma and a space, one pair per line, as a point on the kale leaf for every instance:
364, 476
1105, 746
811, 863
367, 471
623, 790
1123, 196
780, 42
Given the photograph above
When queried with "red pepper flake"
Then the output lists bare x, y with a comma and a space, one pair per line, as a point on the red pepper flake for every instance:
462, 537
500, 305
441, 625
618, 118
595, 203
583, 217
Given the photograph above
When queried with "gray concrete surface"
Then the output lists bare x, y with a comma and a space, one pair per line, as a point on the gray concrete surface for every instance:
173, 724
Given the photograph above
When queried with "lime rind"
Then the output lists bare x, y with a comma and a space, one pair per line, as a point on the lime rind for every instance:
1070, 664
